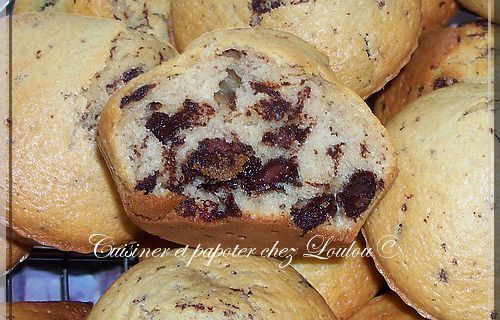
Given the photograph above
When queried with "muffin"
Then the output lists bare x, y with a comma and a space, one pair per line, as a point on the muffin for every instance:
367, 41
346, 282
386, 307
64, 69
432, 233
445, 57
150, 16
245, 139
480, 7
436, 13
48, 310
183, 287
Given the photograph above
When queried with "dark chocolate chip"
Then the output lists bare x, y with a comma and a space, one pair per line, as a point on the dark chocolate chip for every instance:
272, 175
358, 193
204, 209
131, 74
137, 95
217, 159
335, 152
165, 127
232, 208
314, 212
147, 184
273, 109
285, 136
264, 6
444, 82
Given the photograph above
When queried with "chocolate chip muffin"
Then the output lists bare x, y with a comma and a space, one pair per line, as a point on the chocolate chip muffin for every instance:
49, 311
64, 68
150, 16
432, 233
367, 41
386, 307
445, 57
246, 139
178, 287
480, 7
346, 282
436, 13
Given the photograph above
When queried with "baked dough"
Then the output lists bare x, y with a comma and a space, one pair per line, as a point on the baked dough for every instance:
64, 69
480, 7
19, 253
48, 310
150, 16
432, 233
347, 283
367, 41
387, 307
225, 288
245, 139
436, 13
445, 57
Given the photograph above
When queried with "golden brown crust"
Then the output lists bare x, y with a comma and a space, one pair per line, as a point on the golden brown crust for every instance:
430, 233
437, 13
386, 307
151, 16
62, 191
49, 310
445, 56
15, 252
346, 283
366, 48
154, 214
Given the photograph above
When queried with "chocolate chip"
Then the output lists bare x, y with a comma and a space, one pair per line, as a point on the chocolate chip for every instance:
264, 6
272, 174
358, 193
147, 184
137, 95
266, 88
274, 108
155, 106
285, 136
131, 74
124, 78
335, 152
314, 212
443, 276
302, 96
204, 209
217, 159
444, 82
165, 127
232, 208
